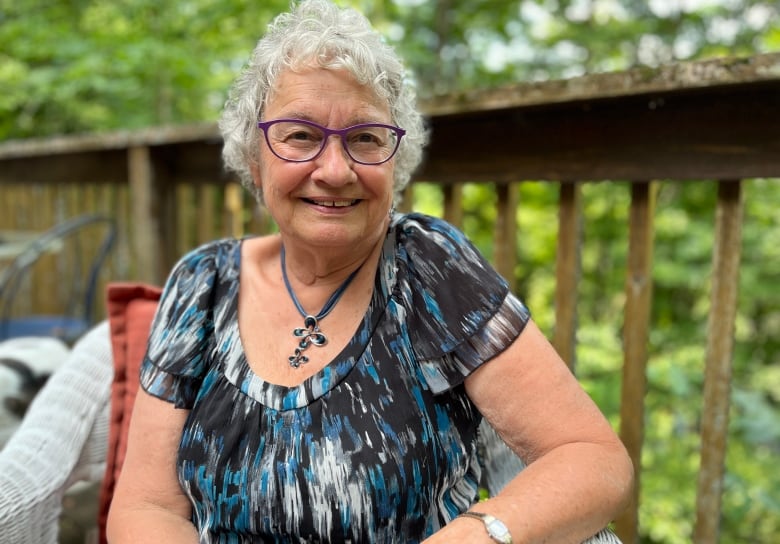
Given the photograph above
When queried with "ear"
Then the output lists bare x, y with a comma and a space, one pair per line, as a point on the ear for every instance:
254, 168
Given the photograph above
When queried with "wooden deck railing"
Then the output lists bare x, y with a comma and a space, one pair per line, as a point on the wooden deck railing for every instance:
714, 120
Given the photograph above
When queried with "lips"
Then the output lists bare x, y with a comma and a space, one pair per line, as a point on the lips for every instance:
332, 203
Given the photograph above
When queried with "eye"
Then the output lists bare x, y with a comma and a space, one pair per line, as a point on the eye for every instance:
368, 137
299, 133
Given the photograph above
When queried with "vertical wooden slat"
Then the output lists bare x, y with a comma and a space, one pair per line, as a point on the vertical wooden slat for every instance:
206, 224
111, 267
717, 376
568, 267
146, 242
505, 243
635, 338
187, 218
234, 211
125, 235
47, 294
168, 212
453, 203
407, 199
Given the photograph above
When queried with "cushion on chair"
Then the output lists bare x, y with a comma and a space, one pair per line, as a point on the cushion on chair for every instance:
131, 307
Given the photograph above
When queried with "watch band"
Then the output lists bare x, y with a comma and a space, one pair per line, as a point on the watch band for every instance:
495, 527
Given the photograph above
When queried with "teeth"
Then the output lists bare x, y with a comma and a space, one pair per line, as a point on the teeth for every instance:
334, 203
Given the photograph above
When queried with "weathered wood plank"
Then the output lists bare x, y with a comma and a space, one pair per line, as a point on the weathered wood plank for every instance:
635, 338
234, 210
717, 374
453, 207
694, 76
145, 240
724, 132
568, 268
207, 217
505, 244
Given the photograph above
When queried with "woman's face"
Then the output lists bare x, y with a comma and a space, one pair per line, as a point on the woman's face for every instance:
330, 201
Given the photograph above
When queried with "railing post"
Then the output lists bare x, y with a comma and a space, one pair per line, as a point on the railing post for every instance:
206, 224
635, 339
406, 203
145, 239
720, 344
568, 268
453, 203
233, 224
505, 244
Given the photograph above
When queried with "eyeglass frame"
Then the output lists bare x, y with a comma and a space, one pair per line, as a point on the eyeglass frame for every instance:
327, 133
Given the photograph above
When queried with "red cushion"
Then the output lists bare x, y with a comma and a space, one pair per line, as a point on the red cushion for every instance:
130, 307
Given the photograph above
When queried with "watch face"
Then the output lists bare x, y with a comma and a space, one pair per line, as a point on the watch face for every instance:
498, 531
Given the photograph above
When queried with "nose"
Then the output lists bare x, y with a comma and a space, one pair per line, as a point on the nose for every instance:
334, 166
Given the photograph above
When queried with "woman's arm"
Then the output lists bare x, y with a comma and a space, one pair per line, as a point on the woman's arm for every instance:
578, 477
148, 503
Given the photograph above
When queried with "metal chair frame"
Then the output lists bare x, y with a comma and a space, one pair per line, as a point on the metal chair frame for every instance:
78, 315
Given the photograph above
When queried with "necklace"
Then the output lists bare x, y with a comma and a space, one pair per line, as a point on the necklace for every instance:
310, 334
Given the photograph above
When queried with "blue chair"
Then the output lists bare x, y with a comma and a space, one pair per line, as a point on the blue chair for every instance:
79, 247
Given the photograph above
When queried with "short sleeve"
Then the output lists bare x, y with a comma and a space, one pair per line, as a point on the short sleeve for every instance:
181, 337
459, 311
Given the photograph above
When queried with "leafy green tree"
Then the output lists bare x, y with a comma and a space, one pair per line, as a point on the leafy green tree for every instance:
92, 65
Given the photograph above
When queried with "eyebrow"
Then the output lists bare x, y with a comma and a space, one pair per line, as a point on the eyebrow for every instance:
351, 123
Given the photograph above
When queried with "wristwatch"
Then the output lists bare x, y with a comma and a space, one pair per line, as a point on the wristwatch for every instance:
495, 527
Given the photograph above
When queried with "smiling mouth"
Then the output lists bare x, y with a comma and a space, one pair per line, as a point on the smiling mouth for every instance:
332, 203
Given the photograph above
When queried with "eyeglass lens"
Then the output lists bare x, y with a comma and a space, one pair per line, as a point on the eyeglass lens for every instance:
299, 141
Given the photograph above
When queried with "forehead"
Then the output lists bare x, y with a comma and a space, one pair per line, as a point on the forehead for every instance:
319, 94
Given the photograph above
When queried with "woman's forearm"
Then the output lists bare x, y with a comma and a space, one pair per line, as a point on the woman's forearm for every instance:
567, 495
152, 525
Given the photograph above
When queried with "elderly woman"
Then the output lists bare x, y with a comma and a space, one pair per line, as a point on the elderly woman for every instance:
327, 383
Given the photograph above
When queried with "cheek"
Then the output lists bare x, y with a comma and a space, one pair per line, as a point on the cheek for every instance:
382, 182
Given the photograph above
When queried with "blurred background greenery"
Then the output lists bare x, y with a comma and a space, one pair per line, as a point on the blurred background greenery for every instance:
74, 66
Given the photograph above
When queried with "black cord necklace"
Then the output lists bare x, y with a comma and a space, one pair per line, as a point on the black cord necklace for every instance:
310, 333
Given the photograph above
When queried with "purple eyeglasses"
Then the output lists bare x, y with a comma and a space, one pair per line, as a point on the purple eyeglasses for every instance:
298, 140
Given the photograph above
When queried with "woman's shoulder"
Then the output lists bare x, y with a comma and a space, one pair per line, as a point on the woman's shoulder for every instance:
458, 308
200, 269
419, 226
434, 249
213, 253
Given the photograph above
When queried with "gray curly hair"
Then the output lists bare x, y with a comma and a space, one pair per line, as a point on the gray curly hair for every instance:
317, 32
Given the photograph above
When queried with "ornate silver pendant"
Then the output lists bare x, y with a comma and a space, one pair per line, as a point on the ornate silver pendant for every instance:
309, 334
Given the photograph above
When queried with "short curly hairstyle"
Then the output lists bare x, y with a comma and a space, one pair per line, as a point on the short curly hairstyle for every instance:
317, 32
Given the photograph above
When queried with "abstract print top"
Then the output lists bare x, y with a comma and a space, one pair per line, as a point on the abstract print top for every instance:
380, 445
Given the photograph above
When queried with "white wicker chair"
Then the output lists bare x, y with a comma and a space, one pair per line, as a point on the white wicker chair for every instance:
62, 440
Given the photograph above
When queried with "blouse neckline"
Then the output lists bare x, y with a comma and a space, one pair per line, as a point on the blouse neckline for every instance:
281, 397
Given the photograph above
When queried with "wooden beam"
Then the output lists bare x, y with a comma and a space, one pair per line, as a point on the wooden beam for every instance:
710, 134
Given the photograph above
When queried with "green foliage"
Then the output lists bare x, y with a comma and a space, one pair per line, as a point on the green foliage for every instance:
684, 236
93, 65
88, 65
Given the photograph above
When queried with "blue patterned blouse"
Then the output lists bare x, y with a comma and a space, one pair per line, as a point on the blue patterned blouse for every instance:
381, 445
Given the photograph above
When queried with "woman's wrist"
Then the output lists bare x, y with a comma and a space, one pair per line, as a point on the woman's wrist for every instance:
495, 528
